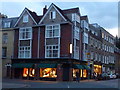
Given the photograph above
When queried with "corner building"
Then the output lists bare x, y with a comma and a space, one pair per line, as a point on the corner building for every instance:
49, 47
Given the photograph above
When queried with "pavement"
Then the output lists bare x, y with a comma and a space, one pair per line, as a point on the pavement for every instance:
19, 83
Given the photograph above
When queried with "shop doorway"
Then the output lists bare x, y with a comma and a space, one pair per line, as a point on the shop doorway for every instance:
66, 70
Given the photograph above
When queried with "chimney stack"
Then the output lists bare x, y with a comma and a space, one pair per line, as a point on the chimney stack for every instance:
45, 9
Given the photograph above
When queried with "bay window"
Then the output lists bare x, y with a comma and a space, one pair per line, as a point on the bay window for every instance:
76, 33
75, 17
52, 36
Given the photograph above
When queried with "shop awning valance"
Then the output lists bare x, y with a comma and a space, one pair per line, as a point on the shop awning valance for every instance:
30, 65
22, 65
77, 66
47, 65
86, 67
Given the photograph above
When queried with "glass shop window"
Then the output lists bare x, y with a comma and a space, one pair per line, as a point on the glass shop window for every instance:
74, 72
25, 72
48, 72
85, 73
31, 72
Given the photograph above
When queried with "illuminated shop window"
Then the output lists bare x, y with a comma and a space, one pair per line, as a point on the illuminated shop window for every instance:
77, 70
48, 72
84, 73
74, 72
31, 72
81, 72
25, 72
97, 69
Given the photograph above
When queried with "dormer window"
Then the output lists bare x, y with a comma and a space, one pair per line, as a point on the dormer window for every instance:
6, 24
25, 18
52, 15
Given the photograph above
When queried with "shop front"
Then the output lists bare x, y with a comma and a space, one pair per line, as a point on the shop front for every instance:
82, 69
46, 71
97, 69
42, 71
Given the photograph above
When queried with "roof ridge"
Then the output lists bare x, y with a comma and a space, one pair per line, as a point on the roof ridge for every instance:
71, 8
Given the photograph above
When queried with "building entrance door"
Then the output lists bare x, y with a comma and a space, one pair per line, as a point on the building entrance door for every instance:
66, 70
8, 71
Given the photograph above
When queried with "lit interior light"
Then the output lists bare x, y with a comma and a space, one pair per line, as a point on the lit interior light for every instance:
70, 48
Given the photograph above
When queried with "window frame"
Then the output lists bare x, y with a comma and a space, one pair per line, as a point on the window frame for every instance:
52, 49
52, 36
5, 49
25, 32
25, 18
5, 38
7, 24
24, 51
52, 15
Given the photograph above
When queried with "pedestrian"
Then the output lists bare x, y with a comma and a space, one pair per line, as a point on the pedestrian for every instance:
94, 75
77, 76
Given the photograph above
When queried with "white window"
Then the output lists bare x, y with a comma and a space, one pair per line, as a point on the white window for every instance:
24, 52
103, 59
5, 38
76, 52
82, 23
75, 17
52, 15
95, 56
99, 57
96, 33
4, 52
107, 38
85, 38
52, 51
102, 35
76, 33
25, 18
92, 55
6, 24
105, 48
86, 25
25, 33
52, 31
93, 31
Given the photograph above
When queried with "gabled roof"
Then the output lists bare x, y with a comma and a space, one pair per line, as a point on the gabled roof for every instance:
63, 12
57, 9
33, 15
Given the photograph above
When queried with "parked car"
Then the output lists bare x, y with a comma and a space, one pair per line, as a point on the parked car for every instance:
112, 76
103, 76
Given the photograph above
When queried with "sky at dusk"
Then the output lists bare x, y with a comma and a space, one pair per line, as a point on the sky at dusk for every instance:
103, 13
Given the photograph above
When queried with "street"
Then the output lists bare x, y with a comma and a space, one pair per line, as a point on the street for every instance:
16, 83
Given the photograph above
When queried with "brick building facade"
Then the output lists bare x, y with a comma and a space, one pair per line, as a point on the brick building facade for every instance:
59, 43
